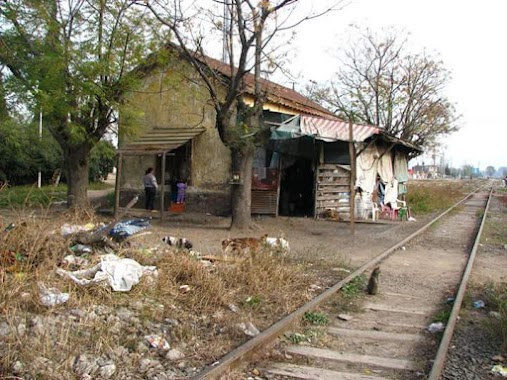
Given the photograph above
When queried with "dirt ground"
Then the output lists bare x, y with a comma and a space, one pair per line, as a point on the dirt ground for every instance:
309, 239
328, 244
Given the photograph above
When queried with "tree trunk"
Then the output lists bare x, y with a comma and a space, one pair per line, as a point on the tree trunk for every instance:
242, 160
76, 170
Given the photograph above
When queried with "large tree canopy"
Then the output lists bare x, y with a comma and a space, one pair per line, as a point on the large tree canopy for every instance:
380, 83
73, 60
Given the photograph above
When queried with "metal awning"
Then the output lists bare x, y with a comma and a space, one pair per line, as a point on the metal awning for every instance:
325, 129
161, 139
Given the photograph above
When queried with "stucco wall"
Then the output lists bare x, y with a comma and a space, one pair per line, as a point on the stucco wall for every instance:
175, 97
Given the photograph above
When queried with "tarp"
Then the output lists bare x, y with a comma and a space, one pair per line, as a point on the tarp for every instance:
324, 129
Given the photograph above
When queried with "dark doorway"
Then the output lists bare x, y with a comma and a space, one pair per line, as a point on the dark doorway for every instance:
178, 168
297, 187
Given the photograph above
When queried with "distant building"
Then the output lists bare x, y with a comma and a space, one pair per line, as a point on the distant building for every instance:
426, 171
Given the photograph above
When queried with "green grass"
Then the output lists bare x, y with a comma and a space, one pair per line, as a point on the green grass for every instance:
354, 287
443, 315
31, 196
316, 318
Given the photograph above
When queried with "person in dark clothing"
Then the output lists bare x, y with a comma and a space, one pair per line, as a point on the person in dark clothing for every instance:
150, 188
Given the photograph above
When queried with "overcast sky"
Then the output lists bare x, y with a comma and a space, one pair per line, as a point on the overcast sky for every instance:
468, 36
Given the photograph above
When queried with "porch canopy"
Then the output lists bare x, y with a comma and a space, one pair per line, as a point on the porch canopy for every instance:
161, 139
325, 129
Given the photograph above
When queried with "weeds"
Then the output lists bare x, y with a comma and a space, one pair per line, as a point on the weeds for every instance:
496, 297
443, 315
308, 336
316, 318
428, 196
354, 287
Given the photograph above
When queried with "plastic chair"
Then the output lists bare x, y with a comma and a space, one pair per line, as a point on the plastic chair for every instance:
374, 212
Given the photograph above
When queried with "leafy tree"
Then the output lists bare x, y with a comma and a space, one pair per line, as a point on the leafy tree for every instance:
75, 61
447, 170
381, 84
490, 171
102, 159
248, 29
468, 171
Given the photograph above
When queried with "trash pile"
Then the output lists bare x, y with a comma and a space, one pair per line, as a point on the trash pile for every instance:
140, 296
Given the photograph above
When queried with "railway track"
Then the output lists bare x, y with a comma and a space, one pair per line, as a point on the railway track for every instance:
387, 337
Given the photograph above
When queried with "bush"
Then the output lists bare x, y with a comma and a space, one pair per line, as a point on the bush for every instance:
102, 159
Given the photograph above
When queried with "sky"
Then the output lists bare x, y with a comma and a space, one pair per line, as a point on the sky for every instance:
468, 36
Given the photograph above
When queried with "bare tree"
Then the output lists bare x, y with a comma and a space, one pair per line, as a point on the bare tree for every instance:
248, 28
381, 84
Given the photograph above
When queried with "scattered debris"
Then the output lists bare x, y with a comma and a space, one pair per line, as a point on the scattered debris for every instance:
499, 370
436, 327
81, 248
450, 300
185, 288
495, 314
248, 328
498, 358
233, 308
127, 228
479, 304
345, 317
158, 342
52, 296
75, 260
121, 274
175, 354
70, 229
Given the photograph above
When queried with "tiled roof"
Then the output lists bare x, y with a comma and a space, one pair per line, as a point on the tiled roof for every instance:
275, 93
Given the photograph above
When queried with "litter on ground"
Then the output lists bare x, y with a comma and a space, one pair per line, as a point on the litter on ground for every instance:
121, 274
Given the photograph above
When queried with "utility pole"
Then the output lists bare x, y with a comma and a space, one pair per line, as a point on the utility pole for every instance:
39, 176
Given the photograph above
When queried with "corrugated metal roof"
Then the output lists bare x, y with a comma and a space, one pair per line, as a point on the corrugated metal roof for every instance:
333, 129
326, 129
162, 139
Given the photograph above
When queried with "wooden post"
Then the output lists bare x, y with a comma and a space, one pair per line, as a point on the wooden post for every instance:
117, 185
352, 154
162, 182
316, 180
278, 185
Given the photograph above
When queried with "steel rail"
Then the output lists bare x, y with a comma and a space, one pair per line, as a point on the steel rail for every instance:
275, 330
443, 348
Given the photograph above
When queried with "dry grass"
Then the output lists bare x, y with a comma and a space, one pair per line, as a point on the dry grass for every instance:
198, 321
430, 196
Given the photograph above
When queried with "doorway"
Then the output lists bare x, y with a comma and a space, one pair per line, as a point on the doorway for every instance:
297, 187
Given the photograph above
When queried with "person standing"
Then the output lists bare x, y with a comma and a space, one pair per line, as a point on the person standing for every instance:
150, 188
181, 185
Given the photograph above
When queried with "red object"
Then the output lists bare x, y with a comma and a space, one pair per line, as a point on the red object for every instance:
177, 207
